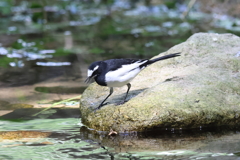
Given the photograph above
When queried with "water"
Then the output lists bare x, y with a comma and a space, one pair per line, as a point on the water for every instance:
67, 138
43, 61
73, 35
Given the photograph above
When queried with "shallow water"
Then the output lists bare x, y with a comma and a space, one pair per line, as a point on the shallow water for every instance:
43, 63
32, 51
67, 138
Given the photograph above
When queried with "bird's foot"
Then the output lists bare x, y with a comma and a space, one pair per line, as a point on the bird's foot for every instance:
100, 106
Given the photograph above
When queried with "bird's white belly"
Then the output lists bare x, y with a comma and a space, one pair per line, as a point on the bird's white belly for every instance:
120, 77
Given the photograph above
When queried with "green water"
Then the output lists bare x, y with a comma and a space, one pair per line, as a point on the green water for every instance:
69, 139
35, 49
65, 141
37, 45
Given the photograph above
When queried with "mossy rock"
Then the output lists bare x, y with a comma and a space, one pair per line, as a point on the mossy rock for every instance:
15, 106
3, 104
201, 88
18, 135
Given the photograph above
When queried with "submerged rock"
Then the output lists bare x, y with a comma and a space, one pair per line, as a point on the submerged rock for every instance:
199, 88
21, 135
8, 106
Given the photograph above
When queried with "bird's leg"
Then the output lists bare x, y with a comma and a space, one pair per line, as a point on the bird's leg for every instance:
129, 86
102, 104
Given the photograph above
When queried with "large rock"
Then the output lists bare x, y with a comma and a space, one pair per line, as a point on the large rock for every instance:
200, 88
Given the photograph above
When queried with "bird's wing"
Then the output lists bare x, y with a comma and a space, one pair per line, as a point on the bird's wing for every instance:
115, 64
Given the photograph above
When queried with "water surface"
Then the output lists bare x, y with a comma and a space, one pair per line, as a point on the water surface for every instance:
44, 54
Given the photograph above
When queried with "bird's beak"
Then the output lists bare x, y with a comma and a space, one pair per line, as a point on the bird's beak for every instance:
90, 79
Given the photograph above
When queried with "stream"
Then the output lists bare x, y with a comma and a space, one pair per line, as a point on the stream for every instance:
45, 49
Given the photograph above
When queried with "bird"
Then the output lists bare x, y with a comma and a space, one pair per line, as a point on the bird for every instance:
119, 72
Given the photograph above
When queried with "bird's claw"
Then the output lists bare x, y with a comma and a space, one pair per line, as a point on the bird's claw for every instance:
104, 104
100, 106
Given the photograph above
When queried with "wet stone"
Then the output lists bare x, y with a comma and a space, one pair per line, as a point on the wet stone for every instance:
17, 135
8, 106
3, 104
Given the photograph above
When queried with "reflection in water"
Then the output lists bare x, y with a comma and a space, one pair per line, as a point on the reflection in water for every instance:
58, 133
53, 63
3, 51
94, 30
68, 138
32, 52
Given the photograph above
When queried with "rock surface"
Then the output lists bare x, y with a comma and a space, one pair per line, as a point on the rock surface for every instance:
199, 88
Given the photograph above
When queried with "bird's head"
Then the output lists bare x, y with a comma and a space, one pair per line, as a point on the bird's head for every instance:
93, 71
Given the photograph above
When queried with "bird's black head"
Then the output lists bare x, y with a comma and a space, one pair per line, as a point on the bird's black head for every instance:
93, 71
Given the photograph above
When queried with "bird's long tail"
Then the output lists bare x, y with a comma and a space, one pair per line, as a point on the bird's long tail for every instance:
164, 57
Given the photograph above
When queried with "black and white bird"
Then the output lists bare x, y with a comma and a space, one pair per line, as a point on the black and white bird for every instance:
119, 72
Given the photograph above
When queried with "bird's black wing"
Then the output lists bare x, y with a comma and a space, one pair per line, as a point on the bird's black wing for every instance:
114, 64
